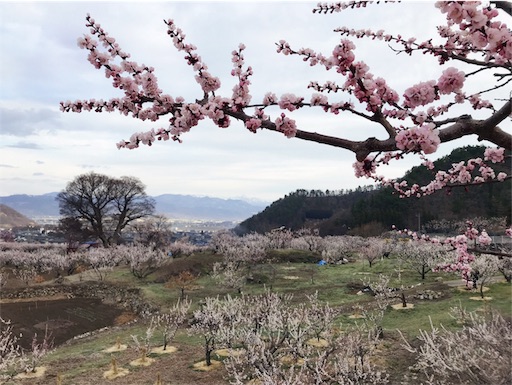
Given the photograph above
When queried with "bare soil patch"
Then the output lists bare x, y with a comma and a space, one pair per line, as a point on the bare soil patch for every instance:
64, 317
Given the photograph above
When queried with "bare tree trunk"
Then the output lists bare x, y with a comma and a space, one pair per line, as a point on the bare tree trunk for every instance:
404, 302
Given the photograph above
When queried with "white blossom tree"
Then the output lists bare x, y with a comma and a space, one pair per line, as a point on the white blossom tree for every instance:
240, 254
373, 249
207, 322
421, 256
10, 350
154, 231
169, 321
143, 260
337, 249
484, 268
102, 260
308, 240
276, 340
477, 354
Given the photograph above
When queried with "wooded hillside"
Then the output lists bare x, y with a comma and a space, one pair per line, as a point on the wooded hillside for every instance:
370, 211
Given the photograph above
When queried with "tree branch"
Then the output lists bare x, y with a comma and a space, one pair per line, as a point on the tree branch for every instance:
485, 129
500, 254
503, 5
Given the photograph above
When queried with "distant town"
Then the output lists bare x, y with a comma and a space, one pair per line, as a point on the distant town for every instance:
176, 224
197, 232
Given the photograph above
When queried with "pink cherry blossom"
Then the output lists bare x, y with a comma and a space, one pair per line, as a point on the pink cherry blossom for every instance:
484, 238
501, 176
495, 155
423, 138
290, 102
420, 94
253, 124
343, 56
452, 80
318, 100
286, 125
365, 168
269, 99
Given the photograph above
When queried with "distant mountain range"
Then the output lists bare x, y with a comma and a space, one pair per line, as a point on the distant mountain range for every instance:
172, 205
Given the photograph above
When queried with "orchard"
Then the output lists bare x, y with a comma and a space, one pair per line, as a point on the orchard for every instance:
291, 307
273, 315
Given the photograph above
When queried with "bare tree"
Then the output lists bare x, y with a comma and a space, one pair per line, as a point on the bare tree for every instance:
107, 204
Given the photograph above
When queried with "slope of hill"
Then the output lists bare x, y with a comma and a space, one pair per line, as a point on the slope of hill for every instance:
171, 205
11, 218
370, 211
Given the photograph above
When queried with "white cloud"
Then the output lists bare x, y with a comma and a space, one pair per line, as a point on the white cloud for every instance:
42, 65
24, 122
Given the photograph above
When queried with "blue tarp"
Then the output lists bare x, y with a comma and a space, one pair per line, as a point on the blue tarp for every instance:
322, 262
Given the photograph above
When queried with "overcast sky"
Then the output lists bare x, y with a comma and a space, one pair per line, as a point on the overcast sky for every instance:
42, 149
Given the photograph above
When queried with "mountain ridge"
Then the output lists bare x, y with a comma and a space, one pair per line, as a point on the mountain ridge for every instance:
372, 210
175, 206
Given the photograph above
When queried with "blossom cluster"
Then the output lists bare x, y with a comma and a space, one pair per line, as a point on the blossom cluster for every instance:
286, 125
470, 29
424, 138
471, 172
472, 36
464, 257
241, 96
424, 93
476, 28
208, 82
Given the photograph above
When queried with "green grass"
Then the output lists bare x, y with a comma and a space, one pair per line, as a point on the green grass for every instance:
158, 294
332, 282
97, 344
